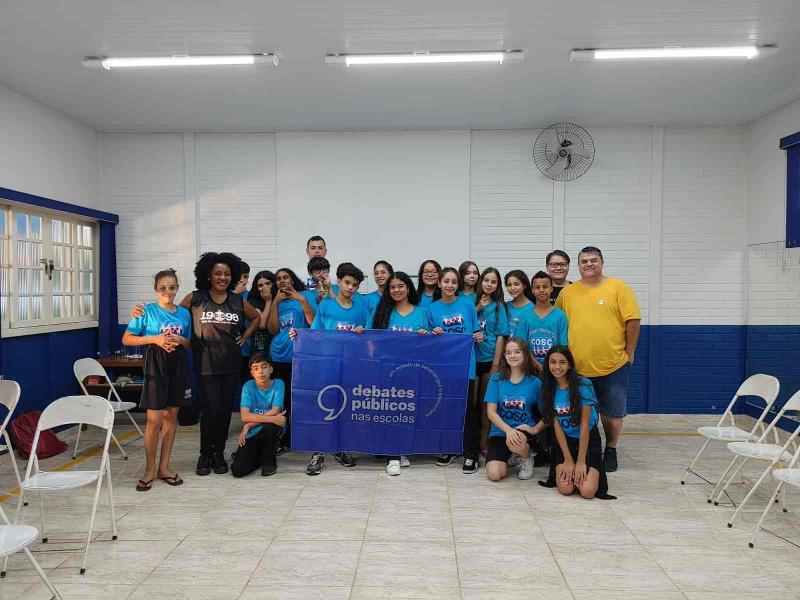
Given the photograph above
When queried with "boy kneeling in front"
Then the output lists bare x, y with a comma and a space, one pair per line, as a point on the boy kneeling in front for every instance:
263, 417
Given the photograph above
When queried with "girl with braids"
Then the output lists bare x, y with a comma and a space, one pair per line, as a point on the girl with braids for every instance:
164, 329
570, 406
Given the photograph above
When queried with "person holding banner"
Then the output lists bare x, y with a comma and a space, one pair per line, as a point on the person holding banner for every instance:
382, 271
450, 313
569, 404
341, 313
511, 398
468, 274
427, 281
291, 309
493, 319
398, 311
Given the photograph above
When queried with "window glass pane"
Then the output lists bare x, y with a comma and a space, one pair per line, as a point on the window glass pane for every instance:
56, 231
87, 261
2, 221
87, 304
22, 225
36, 227
87, 281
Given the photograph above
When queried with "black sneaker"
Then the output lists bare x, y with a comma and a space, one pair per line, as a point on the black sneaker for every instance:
218, 463
268, 470
203, 465
470, 466
444, 459
610, 459
281, 450
345, 459
314, 466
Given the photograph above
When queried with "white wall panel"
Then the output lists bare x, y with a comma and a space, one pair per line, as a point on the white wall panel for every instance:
45, 153
402, 196
143, 182
609, 207
704, 226
235, 195
511, 203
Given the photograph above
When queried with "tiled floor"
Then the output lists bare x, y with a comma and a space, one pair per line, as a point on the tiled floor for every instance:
430, 533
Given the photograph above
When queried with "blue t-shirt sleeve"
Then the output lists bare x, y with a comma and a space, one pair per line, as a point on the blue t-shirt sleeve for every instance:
277, 399
137, 325
247, 396
562, 329
588, 397
492, 395
502, 319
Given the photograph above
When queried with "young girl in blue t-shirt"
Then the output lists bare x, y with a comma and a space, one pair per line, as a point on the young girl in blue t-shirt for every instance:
570, 406
451, 313
468, 274
164, 328
511, 399
428, 281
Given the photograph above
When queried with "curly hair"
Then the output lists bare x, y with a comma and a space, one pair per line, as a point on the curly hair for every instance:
204, 266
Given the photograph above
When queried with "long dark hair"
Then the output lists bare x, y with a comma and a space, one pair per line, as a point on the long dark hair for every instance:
386, 305
527, 361
420, 282
526, 283
462, 272
550, 387
497, 297
298, 285
204, 266
254, 296
437, 293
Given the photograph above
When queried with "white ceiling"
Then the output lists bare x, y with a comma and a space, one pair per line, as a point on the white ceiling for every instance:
42, 43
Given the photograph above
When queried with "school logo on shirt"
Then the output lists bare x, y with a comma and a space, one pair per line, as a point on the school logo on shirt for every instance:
287, 321
453, 324
540, 341
482, 324
344, 326
218, 317
511, 403
171, 329
403, 328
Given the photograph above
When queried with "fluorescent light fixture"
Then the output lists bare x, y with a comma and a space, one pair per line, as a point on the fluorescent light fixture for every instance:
108, 63
426, 58
671, 53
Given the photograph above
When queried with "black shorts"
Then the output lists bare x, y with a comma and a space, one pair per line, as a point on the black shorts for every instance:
497, 449
594, 459
483, 368
159, 393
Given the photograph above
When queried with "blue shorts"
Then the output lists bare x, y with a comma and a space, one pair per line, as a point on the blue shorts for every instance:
612, 392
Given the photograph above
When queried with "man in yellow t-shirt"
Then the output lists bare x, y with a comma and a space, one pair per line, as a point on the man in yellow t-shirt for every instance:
604, 322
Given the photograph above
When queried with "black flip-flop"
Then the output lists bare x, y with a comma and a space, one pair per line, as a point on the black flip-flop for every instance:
172, 480
144, 485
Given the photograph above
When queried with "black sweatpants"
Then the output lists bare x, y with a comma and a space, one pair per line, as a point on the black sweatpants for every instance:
217, 394
472, 424
258, 451
283, 371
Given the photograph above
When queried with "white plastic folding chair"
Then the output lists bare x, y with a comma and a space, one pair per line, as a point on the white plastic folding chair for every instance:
14, 538
789, 475
763, 450
89, 367
763, 386
9, 396
72, 410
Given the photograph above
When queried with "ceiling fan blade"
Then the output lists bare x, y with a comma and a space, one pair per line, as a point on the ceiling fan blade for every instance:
557, 167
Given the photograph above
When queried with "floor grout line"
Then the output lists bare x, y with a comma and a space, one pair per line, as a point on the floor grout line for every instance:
363, 539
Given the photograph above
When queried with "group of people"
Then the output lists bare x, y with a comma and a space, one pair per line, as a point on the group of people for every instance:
546, 368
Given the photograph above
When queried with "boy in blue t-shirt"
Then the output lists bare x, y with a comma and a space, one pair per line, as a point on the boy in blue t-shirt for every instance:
342, 313
546, 325
263, 418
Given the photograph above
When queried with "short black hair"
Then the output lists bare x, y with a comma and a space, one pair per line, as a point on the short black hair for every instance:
318, 263
541, 275
591, 250
257, 358
202, 270
346, 268
560, 253
245, 268
315, 238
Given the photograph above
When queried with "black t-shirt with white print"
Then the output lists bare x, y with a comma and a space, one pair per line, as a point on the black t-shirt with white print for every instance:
217, 329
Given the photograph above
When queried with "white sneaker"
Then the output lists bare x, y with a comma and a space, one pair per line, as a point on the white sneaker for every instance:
526, 470
404, 462
515, 460
393, 467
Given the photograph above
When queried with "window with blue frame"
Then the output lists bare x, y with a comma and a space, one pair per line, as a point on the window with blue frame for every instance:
791, 144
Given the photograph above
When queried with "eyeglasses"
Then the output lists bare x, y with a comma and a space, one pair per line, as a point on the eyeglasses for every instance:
166, 288
431, 273
553, 265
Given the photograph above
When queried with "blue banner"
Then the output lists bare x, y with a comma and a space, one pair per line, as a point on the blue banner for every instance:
380, 392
